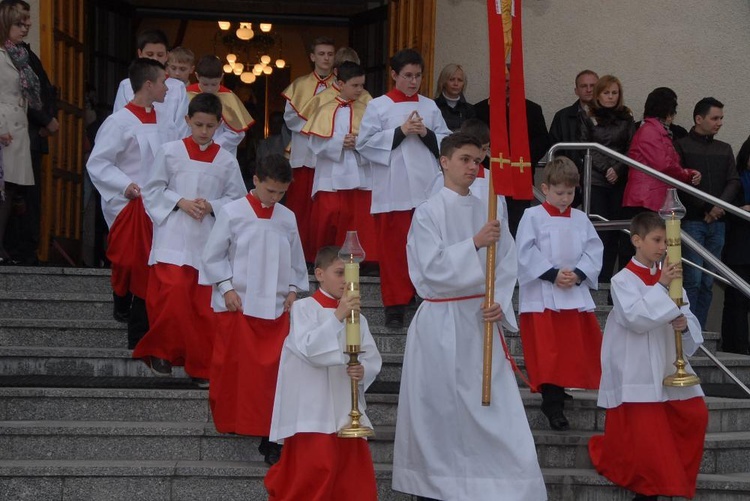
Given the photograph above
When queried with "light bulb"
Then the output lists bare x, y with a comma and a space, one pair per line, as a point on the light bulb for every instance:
238, 70
266, 59
247, 77
224, 25
257, 71
228, 68
265, 27
280, 63
267, 70
245, 32
231, 58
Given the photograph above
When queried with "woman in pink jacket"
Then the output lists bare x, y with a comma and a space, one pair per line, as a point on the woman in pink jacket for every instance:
652, 145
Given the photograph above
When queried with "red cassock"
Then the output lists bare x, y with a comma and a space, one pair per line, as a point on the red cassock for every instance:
128, 248
336, 212
652, 448
320, 467
562, 348
392, 229
299, 201
244, 370
181, 321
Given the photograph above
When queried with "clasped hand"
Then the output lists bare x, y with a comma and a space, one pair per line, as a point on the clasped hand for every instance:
197, 209
414, 125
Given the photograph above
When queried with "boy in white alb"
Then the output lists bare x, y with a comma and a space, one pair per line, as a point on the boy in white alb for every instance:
559, 259
653, 434
343, 182
399, 136
297, 95
181, 64
192, 180
448, 446
119, 165
152, 44
235, 119
313, 397
254, 259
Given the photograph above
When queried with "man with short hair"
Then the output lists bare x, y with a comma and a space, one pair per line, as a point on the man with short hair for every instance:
566, 125
704, 221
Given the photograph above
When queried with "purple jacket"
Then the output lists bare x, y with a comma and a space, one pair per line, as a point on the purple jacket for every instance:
652, 146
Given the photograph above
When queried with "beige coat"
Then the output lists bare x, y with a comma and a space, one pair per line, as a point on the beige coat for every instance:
16, 156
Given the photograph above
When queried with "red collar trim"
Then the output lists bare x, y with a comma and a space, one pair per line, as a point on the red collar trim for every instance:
195, 152
322, 80
399, 97
146, 117
196, 87
343, 102
335, 86
481, 172
644, 273
554, 211
260, 211
325, 301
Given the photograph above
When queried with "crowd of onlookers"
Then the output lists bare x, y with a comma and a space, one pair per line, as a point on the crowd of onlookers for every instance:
695, 157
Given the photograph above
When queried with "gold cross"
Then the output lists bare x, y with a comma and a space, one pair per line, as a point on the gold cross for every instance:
520, 164
499, 160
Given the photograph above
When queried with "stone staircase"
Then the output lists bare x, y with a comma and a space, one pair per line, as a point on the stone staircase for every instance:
81, 420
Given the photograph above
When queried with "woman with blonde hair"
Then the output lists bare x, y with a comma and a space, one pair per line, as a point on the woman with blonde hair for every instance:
19, 89
449, 96
610, 123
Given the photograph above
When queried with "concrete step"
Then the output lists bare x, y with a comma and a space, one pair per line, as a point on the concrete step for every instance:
63, 333
156, 405
727, 452
230, 480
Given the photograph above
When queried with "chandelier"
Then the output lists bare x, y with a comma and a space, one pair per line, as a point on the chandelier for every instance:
244, 46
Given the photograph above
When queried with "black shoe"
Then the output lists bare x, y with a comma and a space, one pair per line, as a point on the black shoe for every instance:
558, 421
394, 316
201, 383
273, 454
121, 307
159, 366
641, 497
263, 447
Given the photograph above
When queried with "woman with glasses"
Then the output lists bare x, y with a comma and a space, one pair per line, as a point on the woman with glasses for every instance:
19, 89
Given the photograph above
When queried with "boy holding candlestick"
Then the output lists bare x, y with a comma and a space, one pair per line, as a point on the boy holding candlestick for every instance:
313, 396
254, 258
559, 258
653, 434
448, 446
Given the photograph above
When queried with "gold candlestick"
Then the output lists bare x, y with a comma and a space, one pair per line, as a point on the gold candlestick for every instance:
672, 211
352, 254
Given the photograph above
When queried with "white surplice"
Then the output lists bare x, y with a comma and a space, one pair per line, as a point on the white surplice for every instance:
336, 168
174, 107
638, 349
123, 153
313, 391
448, 446
401, 177
545, 242
178, 238
262, 257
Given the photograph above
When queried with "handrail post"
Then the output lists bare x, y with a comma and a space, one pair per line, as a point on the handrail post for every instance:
587, 182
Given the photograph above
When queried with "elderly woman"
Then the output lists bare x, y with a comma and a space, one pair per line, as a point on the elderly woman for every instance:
652, 145
19, 88
449, 97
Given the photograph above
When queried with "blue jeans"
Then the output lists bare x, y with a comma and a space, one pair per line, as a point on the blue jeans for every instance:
698, 285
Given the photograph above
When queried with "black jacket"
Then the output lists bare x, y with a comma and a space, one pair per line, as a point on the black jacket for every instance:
613, 129
715, 161
566, 128
738, 230
454, 117
40, 118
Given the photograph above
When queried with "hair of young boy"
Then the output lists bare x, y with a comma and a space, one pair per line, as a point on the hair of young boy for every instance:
561, 170
348, 70
209, 66
405, 57
477, 128
455, 141
326, 256
151, 36
181, 55
143, 70
646, 222
345, 54
205, 103
320, 41
274, 167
